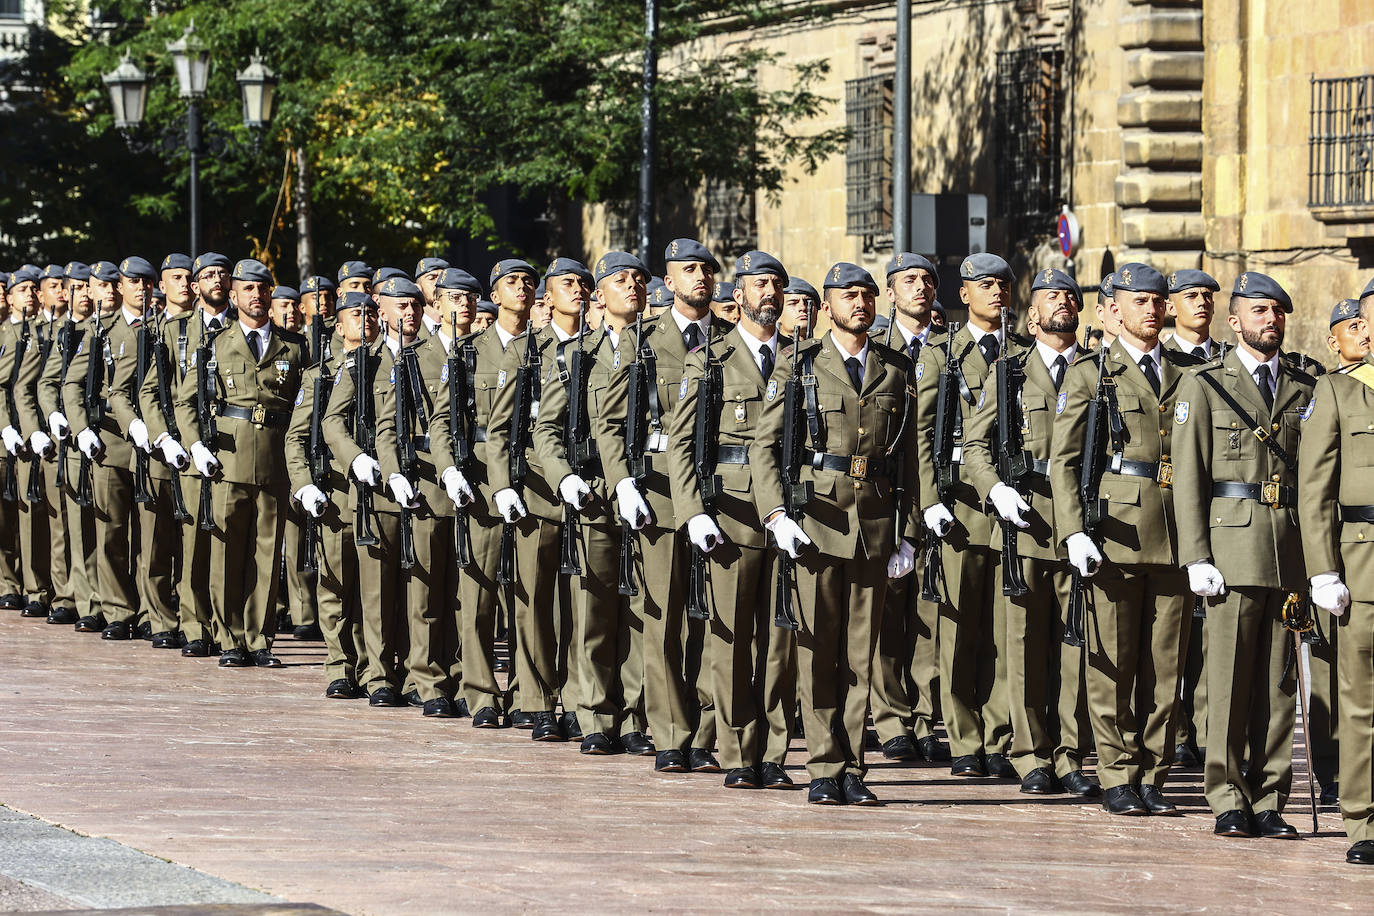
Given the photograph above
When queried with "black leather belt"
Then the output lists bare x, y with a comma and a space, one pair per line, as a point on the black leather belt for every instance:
1270, 494
1357, 513
479, 434
1161, 472
257, 415
860, 467
732, 454
421, 444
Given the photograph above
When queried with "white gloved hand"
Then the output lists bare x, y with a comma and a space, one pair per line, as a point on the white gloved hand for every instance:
312, 500
13, 441
88, 440
1204, 579
509, 504
402, 491
574, 491
41, 444
902, 561
630, 505
1329, 593
174, 454
58, 425
366, 470
457, 486
205, 462
1083, 554
938, 519
788, 534
138, 434
1009, 505
704, 533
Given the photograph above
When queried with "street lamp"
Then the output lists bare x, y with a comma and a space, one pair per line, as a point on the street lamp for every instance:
259, 85
192, 63
128, 93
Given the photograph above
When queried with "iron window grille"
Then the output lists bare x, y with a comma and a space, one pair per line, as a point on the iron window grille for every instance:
1028, 110
730, 217
868, 156
1340, 143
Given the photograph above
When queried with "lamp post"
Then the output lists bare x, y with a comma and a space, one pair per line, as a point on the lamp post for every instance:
128, 87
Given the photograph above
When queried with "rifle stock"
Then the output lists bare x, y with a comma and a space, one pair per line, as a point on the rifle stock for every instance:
796, 493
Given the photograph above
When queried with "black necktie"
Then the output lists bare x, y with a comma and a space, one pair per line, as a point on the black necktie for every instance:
1057, 372
1200, 352
989, 347
254, 344
691, 337
913, 349
766, 361
1147, 366
855, 370
1265, 379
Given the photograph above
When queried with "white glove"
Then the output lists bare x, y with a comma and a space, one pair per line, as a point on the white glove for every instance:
205, 462
1329, 593
312, 500
13, 441
704, 533
89, 443
457, 486
902, 561
174, 454
938, 519
575, 491
1009, 505
402, 491
788, 534
138, 434
509, 504
58, 425
1204, 579
41, 443
1083, 554
630, 505
367, 470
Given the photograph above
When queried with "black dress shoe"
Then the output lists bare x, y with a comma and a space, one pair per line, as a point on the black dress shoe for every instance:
1080, 784
999, 767
1123, 800
12, 602
263, 658
460, 708
702, 761
1156, 803
412, 698
1271, 824
742, 778
856, 793
967, 765
933, 749
1331, 796
900, 748
546, 728
441, 708
234, 658
283, 621
116, 631
1186, 758
1362, 853
166, 640
1039, 781
1234, 823
670, 761
342, 689
196, 648
384, 696
571, 729
92, 624
62, 615
775, 777
34, 609
143, 631
637, 744
825, 792
308, 631
486, 717
518, 718
597, 745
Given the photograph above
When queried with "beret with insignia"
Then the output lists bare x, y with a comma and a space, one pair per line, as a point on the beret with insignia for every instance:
1105, 289
1252, 285
250, 270
318, 284
457, 278
798, 286
563, 266
54, 272
1049, 278
1140, 278
285, 292
354, 300
844, 275
24, 274
137, 267
510, 266
724, 291
985, 264
1345, 310
382, 274
398, 287
1180, 280
77, 271
613, 262
351, 269
176, 262
426, 265
689, 250
658, 292
105, 271
206, 261
753, 263
906, 260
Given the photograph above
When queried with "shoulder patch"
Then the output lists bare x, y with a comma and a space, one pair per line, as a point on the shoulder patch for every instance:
772, 389
194, 354
920, 370
443, 373
1307, 411
121, 347
1181, 412
300, 397
338, 377
682, 389
982, 397
392, 377
615, 360
501, 379
1061, 402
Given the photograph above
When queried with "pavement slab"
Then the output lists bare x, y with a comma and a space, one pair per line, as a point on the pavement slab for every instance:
251, 776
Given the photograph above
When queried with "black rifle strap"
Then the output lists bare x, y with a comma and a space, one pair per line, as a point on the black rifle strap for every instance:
650, 359
415, 387
1255, 428
965, 393
19, 349
183, 336
814, 430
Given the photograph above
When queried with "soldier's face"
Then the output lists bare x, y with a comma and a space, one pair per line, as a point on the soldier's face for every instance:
355, 285
79, 295
402, 314
693, 282
287, 314
426, 283
456, 308
623, 293
760, 297
596, 313
24, 299
1054, 310
54, 295
102, 295
1107, 318
1141, 315
134, 292
514, 293
1192, 309
726, 311
176, 286
211, 283
851, 309
252, 299
796, 313
567, 295
1349, 340
986, 298
540, 313
481, 321
912, 291
351, 326
1259, 323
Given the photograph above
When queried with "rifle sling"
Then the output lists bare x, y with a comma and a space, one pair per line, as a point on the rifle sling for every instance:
1259, 431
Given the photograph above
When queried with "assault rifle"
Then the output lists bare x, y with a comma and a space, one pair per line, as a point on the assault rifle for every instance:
365, 436
1102, 421
636, 441
705, 433
163, 376
207, 394
11, 486
97, 361
35, 495
798, 390
405, 443
579, 445
1014, 462
459, 420
526, 393
143, 345
317, 458
950, 388
64, 343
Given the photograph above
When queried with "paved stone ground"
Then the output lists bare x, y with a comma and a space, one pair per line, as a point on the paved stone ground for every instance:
253, 777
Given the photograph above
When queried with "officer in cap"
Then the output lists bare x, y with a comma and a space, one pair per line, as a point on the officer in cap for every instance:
486, 315
723, 303
11, 569
174, 281
1139, 633
355, 276
286, 309
658, 297
32, 531
801, 303
1348, 338
317, 301
427, 272
1191, 305
1108, 323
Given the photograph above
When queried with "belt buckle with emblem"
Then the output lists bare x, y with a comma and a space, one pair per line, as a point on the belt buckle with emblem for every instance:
858, 467
1165, 476
1269, 493
259, 415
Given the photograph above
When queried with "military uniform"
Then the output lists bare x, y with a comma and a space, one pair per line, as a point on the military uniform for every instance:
11, 560
34, 512
50, 566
